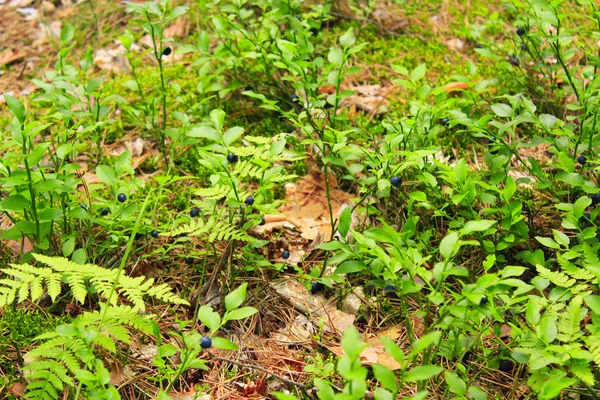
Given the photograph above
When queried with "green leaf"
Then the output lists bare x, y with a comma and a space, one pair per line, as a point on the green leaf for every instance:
211, 319
205, 132
16, 202
217, 117
447, 245
106, 175
547, 242
477, 394
548, 120
348, 38
345, 221
418, 72
423, 372
349, 267
548, 329
232, 134
593, 302
386, 377
167, 350
382, 394
502, 110
325, 391
68, 247
16, 107
561, 238
335, 56
477, 226
239, 313
455, 384
235, 299
352, 343
393, 349
580, 205
222, 343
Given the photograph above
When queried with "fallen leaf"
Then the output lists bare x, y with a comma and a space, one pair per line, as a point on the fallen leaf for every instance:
455, 86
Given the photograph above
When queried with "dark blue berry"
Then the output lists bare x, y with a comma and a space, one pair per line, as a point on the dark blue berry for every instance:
294, 98
104, 212
232, 158
167, 51
595, 198
521, 31
121, 197
249, 200
249, 88
313, 31
390, 292
194, 212
206, 343
154, 233
444, 121
514, 60
138, 235
189, 260
483, 301
83, 206
285, 254
506, 366
164, 383
316, 287
581, 160
372, 217
478, 46
262, 221
177, 162
396, 181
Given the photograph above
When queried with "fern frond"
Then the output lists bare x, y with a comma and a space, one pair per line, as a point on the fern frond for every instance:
557, 278
569, 322
28, 281
581, 369
214, 192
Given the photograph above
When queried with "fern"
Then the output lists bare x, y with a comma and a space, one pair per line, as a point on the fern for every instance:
568, 325
28, 281
559, 279
65, 352
213, 229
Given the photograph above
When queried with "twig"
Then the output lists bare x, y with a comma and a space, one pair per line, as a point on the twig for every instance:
299, 385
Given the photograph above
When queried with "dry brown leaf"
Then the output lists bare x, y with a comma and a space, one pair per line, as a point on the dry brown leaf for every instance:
367, 98
317, 307
455, 86
17, 389
9, 56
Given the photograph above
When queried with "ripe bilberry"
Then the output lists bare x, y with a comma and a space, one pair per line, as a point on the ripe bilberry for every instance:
121, 197
520, 31
154, 233
581, 160
194, 212
595, 199
206, 343
514, 60
396, 181
177, 162
313, 31
249, 200
285, 254
167, 51
316, 287
444, 121
189, 260
390, 292
232, 158
483, 301
104, 212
